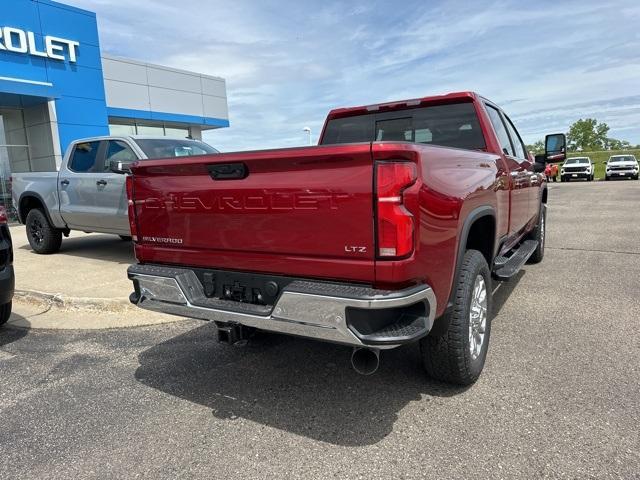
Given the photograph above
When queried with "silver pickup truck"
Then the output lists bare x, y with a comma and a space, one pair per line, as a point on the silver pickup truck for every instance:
88, 193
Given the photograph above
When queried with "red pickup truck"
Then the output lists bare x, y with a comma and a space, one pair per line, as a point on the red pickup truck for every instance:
388, 232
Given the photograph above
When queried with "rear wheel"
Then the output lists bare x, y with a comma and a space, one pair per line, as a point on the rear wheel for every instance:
5, 313
459, 354
43, 237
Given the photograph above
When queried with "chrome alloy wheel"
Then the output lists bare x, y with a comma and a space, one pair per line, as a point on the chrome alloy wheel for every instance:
477, 317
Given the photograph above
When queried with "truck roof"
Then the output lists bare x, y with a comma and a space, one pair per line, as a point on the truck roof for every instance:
132, 137
403, 104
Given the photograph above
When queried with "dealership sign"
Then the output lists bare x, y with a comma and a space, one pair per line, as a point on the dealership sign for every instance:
21, 41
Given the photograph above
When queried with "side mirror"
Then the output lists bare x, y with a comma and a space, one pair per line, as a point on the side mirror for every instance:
118, 166
555, 147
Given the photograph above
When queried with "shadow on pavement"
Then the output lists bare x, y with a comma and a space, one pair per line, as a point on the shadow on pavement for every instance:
503, 292
301, 386
98, 246
10, 334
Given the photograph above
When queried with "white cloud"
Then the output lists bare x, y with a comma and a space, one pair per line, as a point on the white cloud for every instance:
288, 63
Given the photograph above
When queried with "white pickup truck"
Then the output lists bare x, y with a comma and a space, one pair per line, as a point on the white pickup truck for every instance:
622, 166
88, 193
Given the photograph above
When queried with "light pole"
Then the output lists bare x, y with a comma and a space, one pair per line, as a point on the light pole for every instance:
308, 130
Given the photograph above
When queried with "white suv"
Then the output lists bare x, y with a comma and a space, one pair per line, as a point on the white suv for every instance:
577, 167
622, 166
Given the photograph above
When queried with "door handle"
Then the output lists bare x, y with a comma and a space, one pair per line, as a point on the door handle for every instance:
64, 182
101, 183
228, 171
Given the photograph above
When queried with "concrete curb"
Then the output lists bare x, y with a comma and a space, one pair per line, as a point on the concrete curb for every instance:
59, 300
39, 310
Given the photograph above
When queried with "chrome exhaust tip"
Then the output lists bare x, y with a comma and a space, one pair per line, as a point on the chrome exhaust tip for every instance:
365, 361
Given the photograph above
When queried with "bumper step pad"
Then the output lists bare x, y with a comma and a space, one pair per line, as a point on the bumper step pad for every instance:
406, 329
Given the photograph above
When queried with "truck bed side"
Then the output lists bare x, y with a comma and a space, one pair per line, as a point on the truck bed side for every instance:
454, 184
41, 187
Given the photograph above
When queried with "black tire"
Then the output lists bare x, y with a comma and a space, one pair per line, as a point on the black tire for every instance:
125, 238
636, 177
539, 235
607, 178
43, 237
5, 313
448, 357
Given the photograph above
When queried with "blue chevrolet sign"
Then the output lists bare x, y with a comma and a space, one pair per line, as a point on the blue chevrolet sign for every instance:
56, 86
51, 51
19, 41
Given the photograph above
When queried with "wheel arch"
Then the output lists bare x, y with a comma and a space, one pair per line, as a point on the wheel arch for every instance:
473, 234
28, 201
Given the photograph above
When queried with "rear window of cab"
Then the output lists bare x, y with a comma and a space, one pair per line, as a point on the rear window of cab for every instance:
450, 125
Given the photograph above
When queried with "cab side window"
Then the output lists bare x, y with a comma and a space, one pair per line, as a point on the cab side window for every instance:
119, 151
521, 152
500, 129
84, 157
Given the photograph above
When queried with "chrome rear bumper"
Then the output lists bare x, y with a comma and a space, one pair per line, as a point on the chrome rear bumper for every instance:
323, 311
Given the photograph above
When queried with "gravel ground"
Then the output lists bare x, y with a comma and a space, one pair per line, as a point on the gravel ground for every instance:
559, 397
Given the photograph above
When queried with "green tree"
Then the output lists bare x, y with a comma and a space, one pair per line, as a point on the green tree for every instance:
537, 147
615, 144
588, 135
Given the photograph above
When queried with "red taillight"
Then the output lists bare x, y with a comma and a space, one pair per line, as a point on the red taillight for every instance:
395, 222
131, 208
3, 214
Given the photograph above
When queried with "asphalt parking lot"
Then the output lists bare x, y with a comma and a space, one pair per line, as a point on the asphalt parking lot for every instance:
559, 397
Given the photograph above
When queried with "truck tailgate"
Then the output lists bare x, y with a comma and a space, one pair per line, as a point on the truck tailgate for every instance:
300, 211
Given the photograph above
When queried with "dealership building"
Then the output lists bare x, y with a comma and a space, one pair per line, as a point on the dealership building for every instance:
57, 86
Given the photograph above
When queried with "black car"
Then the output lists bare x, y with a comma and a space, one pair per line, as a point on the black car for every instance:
7, 278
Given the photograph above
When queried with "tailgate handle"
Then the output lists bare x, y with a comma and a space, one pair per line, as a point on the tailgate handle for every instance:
228, 171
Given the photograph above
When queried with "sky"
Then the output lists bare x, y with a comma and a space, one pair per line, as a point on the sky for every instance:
547, 63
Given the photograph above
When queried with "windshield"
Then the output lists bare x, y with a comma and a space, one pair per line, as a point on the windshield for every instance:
576, 160
623, 158
173, 147
453, 125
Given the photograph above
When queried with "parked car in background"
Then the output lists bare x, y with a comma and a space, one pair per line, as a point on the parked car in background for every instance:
391, 231
622, 166
575, 168
551, 172
88, 193
7, 278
